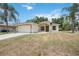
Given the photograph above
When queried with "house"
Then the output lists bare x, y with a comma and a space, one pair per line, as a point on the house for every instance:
45, 26
11, 28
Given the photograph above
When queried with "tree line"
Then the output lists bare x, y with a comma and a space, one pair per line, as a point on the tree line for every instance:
37, 19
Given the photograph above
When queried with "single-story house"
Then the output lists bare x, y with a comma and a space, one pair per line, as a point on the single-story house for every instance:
45, 26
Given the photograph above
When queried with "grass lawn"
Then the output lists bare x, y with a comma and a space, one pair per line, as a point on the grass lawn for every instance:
51, 44
1, 33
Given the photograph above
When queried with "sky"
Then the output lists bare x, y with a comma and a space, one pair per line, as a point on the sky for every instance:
30, 10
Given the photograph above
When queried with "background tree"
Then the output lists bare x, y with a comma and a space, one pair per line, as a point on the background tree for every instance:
9, 13
63, 21
72, 12
38, 19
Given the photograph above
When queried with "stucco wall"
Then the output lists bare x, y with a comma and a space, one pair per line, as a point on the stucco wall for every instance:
28, 28
34, 27
24, 28
51, 30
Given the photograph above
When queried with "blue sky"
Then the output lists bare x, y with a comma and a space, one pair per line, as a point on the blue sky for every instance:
30, 10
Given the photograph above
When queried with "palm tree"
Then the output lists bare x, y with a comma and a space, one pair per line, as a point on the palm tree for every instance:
72, 12
8, 14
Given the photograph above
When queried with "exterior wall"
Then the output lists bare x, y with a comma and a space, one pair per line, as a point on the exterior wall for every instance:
24, 28
11, 29
28, 28
43, 24
35, 28
57, 28
51, 30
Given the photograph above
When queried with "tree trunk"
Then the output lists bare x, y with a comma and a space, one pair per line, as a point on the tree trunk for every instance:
73, 26
6, 19
6, 24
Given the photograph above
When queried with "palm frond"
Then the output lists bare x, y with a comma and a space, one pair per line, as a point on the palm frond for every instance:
12, 9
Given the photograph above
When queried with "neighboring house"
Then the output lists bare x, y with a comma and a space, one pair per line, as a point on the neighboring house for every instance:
11, 28
45, 26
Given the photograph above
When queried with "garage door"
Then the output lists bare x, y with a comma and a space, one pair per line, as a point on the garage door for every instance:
24, 28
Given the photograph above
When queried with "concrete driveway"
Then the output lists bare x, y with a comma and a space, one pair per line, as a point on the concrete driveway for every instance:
10, 35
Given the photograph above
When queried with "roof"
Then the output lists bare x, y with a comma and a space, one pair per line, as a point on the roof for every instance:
46, 22
25, 23
4, 25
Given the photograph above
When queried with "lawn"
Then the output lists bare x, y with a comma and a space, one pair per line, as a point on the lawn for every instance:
1, 33
47, 44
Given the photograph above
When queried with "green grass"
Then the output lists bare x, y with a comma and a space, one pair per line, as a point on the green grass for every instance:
60, 43
1, 33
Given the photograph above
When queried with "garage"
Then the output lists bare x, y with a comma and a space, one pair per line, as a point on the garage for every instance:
25, 28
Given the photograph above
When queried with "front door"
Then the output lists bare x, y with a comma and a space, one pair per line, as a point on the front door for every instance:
47, 28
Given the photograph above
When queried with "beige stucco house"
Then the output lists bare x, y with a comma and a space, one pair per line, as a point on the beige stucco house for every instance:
45, 26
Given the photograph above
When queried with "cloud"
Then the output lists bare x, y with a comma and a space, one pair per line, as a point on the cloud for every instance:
30, 4
28, 7
55, 14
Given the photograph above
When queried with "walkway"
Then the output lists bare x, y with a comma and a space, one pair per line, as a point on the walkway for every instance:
7, 36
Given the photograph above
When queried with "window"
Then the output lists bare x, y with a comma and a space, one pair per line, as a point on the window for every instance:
53, 27
42, 28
